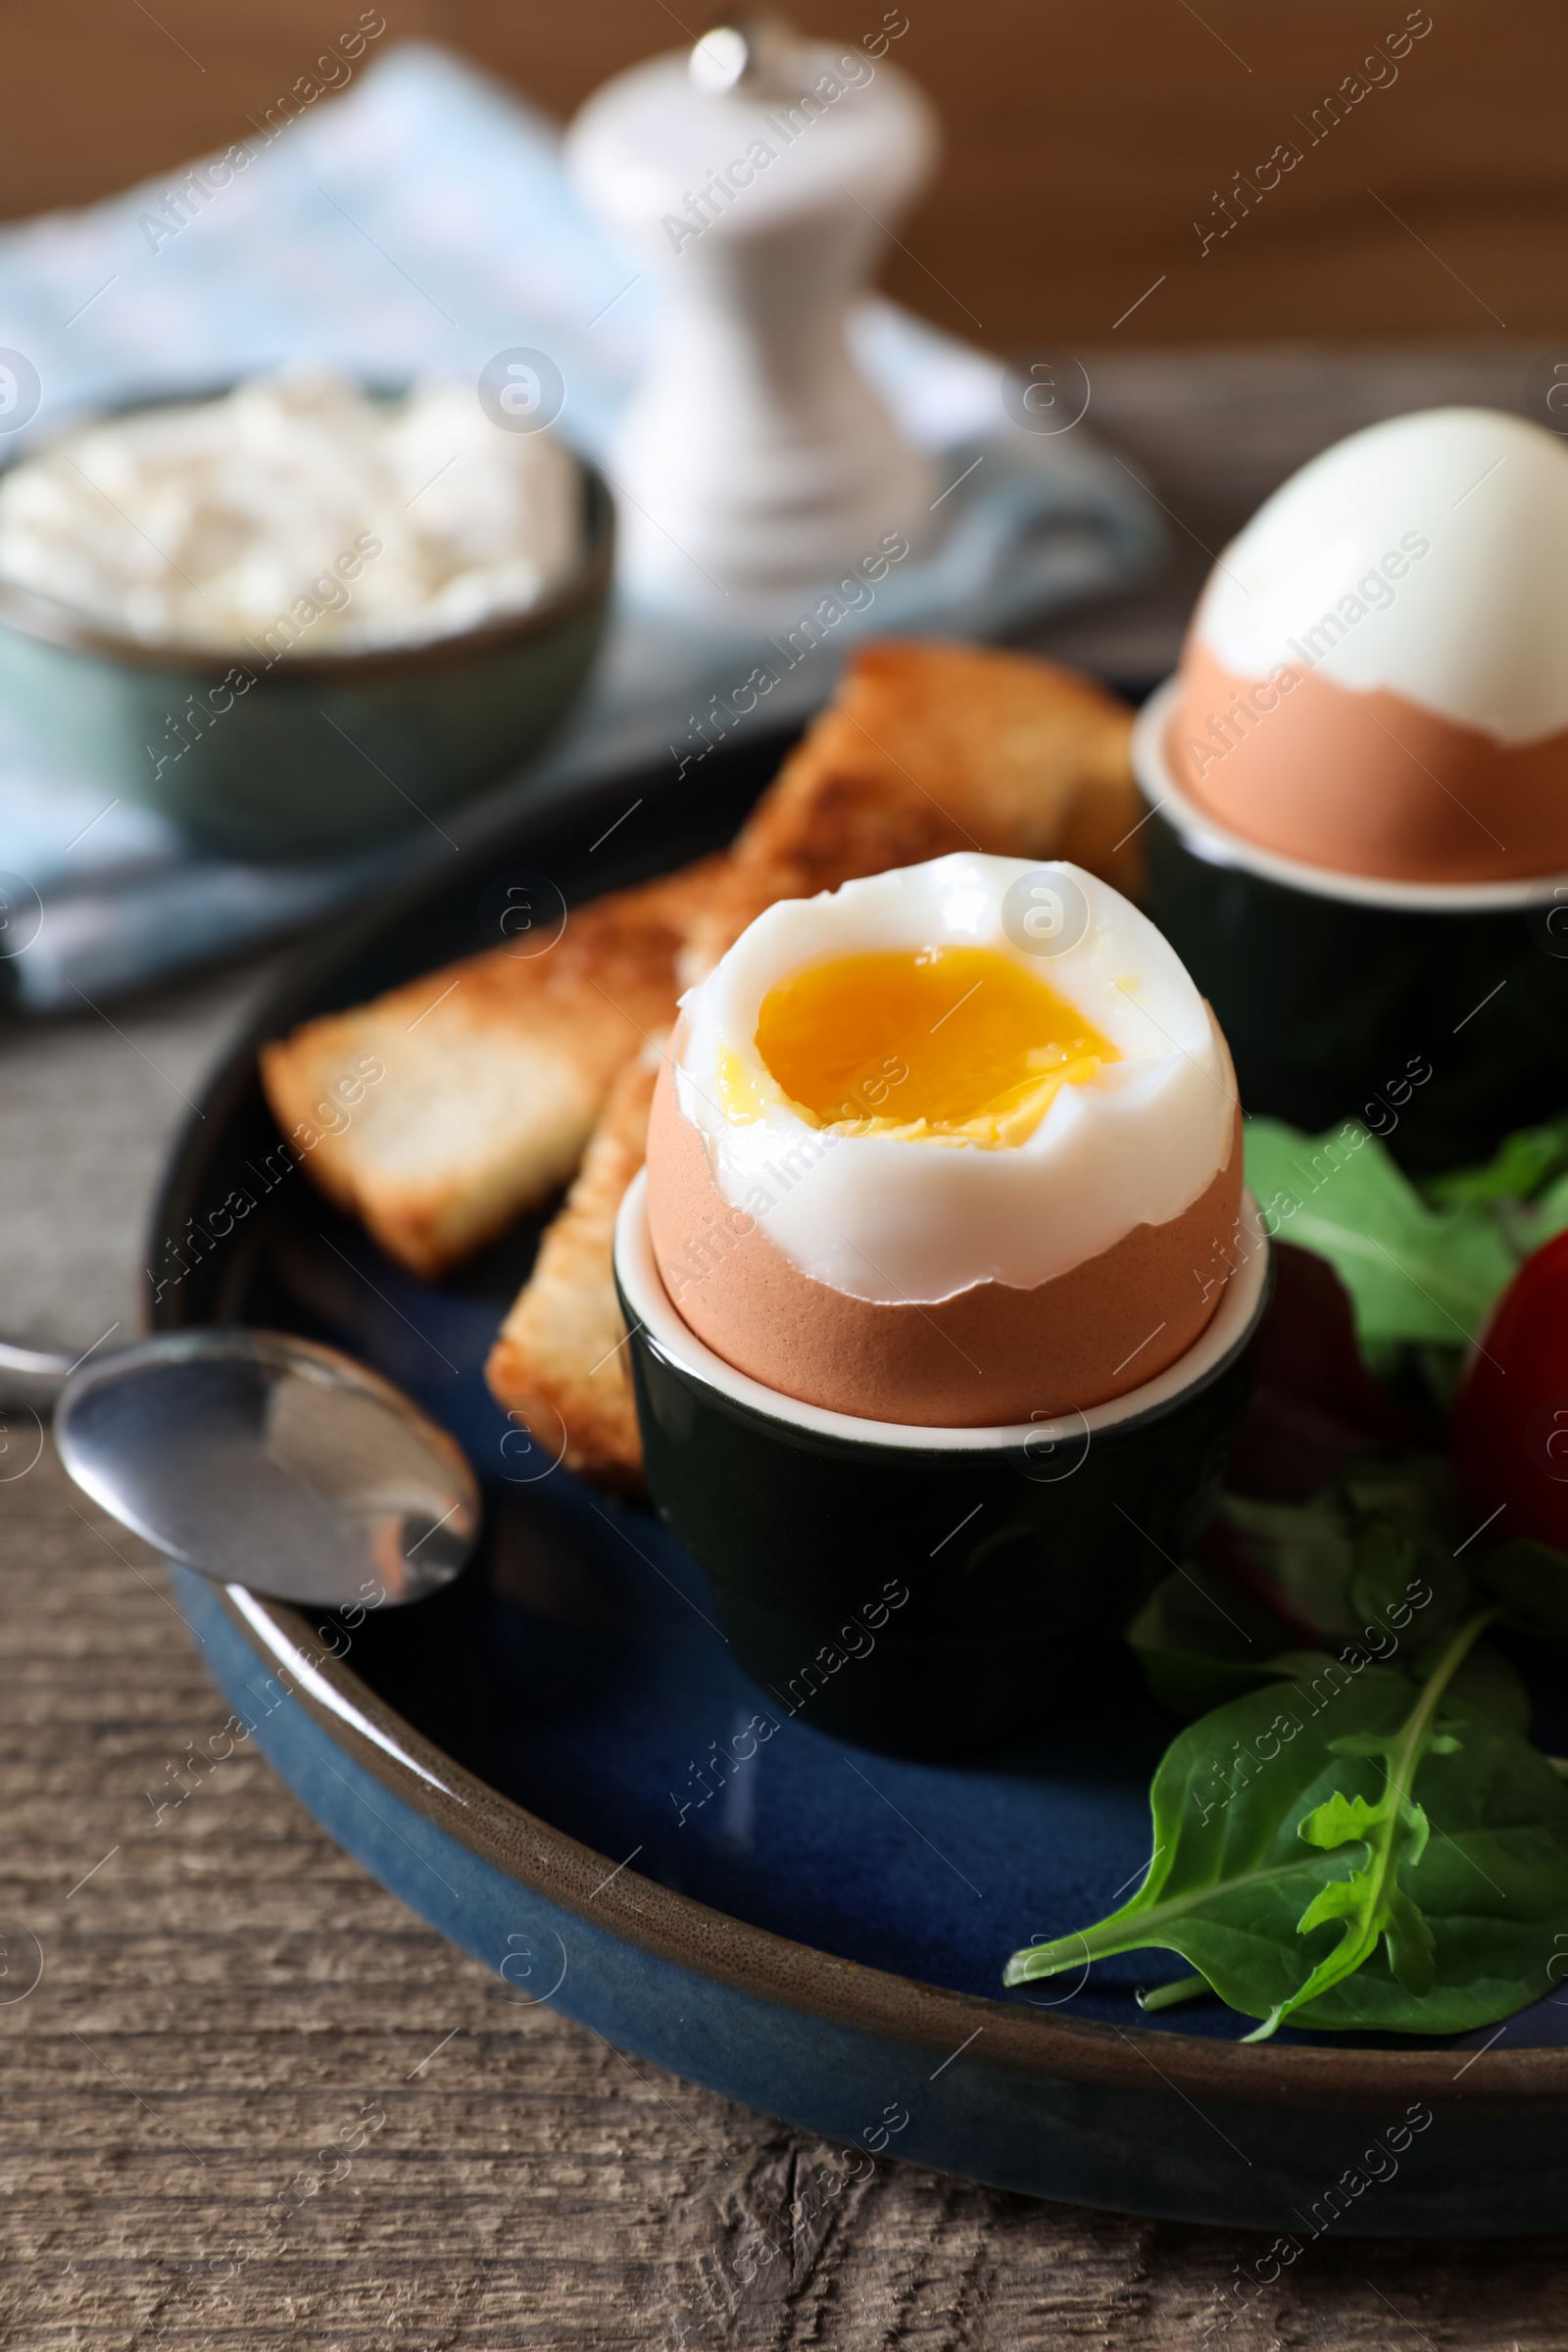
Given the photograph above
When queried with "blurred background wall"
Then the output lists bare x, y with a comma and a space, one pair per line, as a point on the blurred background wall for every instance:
1092, 147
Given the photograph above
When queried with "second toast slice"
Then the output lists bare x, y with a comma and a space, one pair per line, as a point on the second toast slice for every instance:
495, 1072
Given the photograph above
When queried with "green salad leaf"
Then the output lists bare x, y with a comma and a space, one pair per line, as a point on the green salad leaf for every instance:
1202, 1640
1355, 1833
1414, 1273
1364, 1573
1491, 1681
1357, 1852
1523, 1165
1423, 1264
1339, 1563
1193, 1664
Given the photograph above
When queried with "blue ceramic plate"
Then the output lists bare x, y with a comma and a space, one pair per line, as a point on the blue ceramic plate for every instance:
558, 1762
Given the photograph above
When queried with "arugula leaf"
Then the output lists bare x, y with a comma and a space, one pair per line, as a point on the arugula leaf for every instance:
1200, 1641
1394, 1833
1525, 1185
1414, 1273
1383, 1530
1364, 1575
1333, 1853
1543, 1217
1368, 1561
1353, 1559
1521, 1166
1491, 1684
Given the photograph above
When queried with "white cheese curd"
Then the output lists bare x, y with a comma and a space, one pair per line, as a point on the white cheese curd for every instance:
297, 512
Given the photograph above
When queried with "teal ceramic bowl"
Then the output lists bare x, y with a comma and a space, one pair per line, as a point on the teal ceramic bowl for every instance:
925, 1592
1434, 1012
263, 757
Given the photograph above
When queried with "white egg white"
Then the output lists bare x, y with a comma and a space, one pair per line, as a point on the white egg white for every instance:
894, 1219
1427, 556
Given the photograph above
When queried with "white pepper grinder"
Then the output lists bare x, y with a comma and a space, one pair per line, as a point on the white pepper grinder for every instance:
757, 176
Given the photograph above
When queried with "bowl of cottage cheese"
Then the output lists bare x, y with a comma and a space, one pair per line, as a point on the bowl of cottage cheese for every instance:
302, 612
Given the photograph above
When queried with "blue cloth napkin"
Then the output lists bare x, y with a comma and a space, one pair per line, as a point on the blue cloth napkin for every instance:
419, 223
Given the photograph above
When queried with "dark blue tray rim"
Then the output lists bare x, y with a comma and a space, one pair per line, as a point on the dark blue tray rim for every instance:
647, 1916
1126, 2145
675, 1927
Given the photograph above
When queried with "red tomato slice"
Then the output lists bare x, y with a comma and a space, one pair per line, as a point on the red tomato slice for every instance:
1510, 1423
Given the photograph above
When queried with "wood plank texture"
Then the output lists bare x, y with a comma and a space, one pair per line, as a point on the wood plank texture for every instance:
226, 1995
1083, 143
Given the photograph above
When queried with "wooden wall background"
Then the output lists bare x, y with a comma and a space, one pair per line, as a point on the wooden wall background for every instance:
1085, 136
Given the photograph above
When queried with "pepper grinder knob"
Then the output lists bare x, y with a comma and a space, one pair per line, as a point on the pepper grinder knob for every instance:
755, 175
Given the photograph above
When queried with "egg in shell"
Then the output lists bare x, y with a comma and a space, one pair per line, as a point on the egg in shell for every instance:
955, 1145
1376, 678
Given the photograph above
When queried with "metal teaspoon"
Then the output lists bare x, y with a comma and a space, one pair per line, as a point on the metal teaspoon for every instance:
266, 1460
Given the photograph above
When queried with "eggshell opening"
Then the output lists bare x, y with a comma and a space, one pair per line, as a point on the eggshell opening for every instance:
989, 1355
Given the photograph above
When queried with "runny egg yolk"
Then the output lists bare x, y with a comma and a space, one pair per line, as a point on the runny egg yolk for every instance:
949, 1042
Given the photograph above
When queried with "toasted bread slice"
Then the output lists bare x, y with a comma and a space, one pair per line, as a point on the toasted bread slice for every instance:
1102, 829
442, 1111
927, 749
563, 1342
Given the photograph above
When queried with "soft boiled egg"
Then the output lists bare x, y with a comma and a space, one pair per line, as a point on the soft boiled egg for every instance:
1376, 678
954, 1146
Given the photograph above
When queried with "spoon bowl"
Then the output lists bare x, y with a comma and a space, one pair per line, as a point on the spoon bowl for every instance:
267, 1460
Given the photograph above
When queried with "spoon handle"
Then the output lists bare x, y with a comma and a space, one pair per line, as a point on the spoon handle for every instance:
32, 1376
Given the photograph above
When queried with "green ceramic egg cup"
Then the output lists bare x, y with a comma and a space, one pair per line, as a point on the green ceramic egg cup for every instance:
1434, 1012
919, 1590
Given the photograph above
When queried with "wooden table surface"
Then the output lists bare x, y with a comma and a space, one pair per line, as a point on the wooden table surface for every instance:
1089, 150
223, 1990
